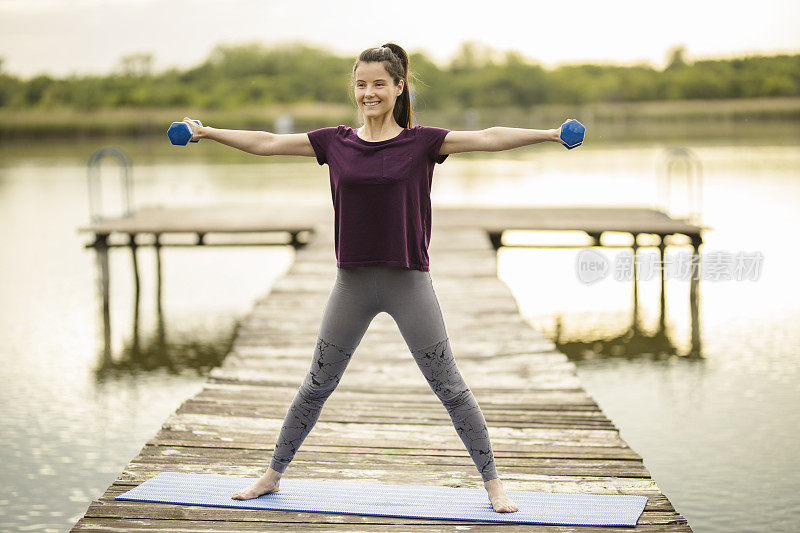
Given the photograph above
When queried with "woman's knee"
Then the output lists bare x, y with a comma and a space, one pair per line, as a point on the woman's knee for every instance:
317, 391
456, 398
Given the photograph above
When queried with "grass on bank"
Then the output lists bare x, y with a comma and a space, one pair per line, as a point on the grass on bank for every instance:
71, 123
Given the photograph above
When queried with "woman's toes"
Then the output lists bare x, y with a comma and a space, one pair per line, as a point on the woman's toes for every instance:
242, 495
505, 505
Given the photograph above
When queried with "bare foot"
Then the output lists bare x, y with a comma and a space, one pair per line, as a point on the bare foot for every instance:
501, 503
269, 482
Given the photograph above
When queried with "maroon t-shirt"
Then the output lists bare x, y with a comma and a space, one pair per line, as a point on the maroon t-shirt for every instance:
381, 194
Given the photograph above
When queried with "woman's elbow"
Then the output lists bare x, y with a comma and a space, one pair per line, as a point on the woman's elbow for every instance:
489, 140
267, 145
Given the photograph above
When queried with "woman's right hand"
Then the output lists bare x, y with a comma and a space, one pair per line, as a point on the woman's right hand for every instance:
558, 138
197, 131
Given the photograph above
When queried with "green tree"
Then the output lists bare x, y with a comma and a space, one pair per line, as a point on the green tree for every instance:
675, 57
136, 65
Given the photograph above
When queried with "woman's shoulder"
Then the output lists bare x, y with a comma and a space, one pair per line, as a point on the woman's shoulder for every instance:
429, 134
428, 129
327, 134
341, 128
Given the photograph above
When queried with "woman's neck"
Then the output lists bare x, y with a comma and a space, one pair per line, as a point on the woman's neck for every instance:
379, 129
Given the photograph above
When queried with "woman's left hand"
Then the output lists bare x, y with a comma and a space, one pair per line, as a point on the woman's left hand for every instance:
558, 133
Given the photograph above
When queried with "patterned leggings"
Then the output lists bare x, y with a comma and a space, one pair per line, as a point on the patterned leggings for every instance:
407, 295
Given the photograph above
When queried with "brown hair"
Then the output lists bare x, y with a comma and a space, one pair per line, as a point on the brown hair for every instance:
395, 61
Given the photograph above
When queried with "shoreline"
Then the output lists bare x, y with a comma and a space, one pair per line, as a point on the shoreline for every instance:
46, 124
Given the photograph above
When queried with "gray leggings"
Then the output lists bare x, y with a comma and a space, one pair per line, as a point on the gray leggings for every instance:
407, 295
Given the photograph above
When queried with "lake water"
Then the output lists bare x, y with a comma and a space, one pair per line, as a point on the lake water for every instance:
717, 431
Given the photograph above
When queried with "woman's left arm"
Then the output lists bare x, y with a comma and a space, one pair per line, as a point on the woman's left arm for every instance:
495, 139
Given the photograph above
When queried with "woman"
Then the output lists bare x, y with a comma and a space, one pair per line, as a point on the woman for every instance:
380, 183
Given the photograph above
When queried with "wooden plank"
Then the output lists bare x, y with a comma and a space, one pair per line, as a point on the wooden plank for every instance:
267, 217
439, 470
429, 436
156, 457
576, 399
590, 219
257, 524
429, 413
229, 218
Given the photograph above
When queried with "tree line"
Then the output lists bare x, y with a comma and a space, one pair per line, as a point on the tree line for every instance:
247, 74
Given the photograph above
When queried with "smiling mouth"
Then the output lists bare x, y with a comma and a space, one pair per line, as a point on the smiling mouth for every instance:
371, 104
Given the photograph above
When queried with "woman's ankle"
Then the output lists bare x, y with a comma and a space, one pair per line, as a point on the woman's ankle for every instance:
273, 473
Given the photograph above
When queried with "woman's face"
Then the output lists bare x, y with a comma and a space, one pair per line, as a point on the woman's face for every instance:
374, 84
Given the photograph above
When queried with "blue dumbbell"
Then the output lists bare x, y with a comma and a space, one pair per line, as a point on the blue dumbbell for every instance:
572, 133
181, 133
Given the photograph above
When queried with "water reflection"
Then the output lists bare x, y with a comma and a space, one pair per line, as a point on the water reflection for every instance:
154, 351
635, 342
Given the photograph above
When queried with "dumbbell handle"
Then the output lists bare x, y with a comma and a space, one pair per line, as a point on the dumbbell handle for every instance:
190, 130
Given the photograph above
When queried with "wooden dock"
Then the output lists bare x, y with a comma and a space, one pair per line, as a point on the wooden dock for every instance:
547, 433
261, 218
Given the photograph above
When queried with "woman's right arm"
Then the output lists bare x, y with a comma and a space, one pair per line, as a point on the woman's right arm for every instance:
256, 142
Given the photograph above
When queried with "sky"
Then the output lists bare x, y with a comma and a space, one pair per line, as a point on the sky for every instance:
63, 37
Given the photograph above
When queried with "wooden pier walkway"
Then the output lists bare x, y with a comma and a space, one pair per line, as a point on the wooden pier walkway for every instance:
547, 433
261, 218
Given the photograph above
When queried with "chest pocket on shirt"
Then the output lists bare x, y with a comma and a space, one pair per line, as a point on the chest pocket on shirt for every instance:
396, 167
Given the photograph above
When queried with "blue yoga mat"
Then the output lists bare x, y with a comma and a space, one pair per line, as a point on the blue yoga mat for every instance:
411, 501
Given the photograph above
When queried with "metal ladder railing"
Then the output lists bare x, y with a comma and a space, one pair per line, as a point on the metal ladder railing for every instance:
669, 161
93, 180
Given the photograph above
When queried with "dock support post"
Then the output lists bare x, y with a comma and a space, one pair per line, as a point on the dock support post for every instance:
136, 293
100, 245
662, 248
496, 238
694, 294
159, 311
635, 326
